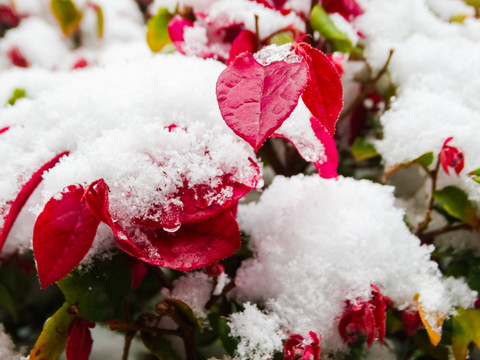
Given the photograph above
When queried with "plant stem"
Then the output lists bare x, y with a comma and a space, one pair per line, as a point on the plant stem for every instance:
123, 326
366, 90
428, 212
213, 299
257, 34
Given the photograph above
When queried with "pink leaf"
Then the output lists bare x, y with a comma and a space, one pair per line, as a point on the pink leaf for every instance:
79, 344
324, 93
176, 28
22, 197
63, 234
255, 100
245, 41
327, 169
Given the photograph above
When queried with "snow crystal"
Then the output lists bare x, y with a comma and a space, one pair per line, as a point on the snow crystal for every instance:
272, 53
259, 334
319, 242
122, 135
194, 289
435, 88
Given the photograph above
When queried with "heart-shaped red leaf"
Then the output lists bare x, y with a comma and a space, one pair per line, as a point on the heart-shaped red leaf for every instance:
63, 234
79, 344
324, 93
22, 197
255, 100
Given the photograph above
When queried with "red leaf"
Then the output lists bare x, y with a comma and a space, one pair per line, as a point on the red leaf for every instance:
79, 344
17, 58
63, 234
349, 9
324, 93
192, 246
22, 197
327, 169
5, 129
255, 100
245, 41
176, 28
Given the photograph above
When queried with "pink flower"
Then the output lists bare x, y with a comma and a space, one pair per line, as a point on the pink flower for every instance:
365, 319
450, 156
296, 347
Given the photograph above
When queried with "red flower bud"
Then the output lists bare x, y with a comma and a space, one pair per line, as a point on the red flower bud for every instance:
450, 156
296, 347
214, 270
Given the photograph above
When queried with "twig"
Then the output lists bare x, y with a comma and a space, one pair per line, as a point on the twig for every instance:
257, 34
428, 237
122, 326
271, 155
367, 90
161, 277
428, 212
213, 299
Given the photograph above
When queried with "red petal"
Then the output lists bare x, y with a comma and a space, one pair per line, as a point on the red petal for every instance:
176, 28
324, 93
327, 169
63, 234
79, 344
255, 100
23, 195
245, 41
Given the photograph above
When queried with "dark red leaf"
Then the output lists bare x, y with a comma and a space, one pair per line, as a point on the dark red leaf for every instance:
324, 93
79, 344
192, 246
349, 9
327, 169
245, 41
22, 197
255, 100
17, 58
63, 234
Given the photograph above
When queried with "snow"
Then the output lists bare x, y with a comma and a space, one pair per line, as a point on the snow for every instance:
121, 135
194, 289
319, 242
7, 347
272, 53
435, 86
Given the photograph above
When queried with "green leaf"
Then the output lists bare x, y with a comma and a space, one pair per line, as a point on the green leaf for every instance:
98, 290
67, 15
474, 3
281, 38
7, 302
229, 343
475, 175
17, 94
455, 202
466, 329
159, 346
425, 160
53, 338
362, 149
157, 32
321, 22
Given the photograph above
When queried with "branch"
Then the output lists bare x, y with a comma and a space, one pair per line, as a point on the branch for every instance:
428, 212
367, 90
